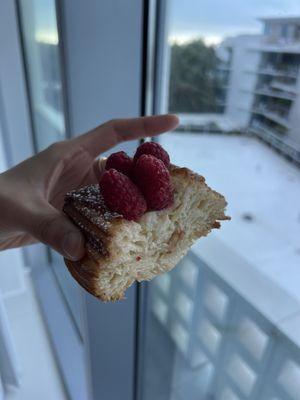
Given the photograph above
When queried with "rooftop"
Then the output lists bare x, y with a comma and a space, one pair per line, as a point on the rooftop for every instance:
261, 188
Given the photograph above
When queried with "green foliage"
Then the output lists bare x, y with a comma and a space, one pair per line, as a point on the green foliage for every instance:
194, 83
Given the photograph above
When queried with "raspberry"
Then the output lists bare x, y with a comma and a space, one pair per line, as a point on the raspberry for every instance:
120, 161
153, 149
153, 179
122, 195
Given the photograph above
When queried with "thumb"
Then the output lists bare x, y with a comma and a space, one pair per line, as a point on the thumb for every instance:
51, 227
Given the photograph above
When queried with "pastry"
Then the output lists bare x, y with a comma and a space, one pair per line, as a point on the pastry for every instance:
120, 251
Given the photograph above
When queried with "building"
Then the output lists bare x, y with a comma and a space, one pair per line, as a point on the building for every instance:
235, 87
275, 112
259, 86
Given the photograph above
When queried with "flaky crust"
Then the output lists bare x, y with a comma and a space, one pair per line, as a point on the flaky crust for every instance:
99, 226
85, 274
86, 208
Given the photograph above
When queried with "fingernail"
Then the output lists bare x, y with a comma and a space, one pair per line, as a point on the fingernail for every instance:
72, 245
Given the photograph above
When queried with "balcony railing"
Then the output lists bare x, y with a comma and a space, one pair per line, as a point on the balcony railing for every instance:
266, 90
274, 138
284, 85
280, 41
232, 328
264, 126
208, 123
282, 111
277, 114
288, 71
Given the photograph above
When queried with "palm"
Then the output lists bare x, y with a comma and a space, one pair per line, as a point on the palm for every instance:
74, 170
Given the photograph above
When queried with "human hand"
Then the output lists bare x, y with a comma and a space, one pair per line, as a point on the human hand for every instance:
32, 193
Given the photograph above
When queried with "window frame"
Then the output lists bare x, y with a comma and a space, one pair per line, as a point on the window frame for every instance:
101, 335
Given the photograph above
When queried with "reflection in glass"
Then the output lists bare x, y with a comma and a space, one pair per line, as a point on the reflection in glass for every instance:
42, 59
44, 75
220, 326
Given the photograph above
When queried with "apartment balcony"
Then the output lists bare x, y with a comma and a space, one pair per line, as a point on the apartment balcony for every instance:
267, 91
265, 126
271, 93
272, 117
275, 114
280, 47
274, 138
223, 334
280, 41
283, 86
272, 70
224, 346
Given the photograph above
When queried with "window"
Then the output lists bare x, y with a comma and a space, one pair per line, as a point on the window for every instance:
238, 97
43, 67
39, 33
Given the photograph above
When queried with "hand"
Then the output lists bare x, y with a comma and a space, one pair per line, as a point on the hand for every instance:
32, 193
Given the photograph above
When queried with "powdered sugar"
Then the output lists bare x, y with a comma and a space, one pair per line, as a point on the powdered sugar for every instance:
88, 203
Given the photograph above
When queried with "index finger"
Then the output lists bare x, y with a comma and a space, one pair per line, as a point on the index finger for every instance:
113, 132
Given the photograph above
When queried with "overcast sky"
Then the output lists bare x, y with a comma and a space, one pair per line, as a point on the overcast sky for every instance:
210, 19
214, 19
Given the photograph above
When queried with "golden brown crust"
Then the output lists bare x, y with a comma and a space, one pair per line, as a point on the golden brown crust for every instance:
86, 273
86, 277
98, 238
86, 208
190, 178
186, 173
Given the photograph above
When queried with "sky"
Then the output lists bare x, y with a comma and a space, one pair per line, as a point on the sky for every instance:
210, 19
45, 20
215, 19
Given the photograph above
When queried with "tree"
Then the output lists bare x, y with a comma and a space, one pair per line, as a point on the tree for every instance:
193, 78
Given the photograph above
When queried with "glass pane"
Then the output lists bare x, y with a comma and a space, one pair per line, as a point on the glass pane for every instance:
40, 38
221, 324
43, 66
